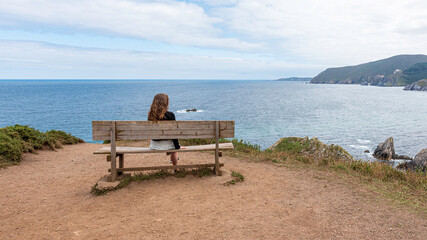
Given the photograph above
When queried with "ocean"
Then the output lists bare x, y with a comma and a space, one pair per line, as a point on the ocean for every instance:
355, 117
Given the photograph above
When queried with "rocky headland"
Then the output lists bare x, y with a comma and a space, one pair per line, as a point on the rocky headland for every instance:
401, 70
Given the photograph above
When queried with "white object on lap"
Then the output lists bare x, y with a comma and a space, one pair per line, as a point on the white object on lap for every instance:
162, 145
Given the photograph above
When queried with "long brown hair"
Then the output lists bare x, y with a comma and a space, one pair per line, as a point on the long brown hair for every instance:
159, 107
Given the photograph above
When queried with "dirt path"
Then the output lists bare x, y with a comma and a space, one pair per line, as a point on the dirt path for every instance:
48, 197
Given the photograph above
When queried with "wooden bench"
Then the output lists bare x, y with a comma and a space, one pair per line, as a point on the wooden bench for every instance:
145, 130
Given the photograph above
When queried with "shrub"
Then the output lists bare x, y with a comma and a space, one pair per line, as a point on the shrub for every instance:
10, 148
59, 138
30, 138
15, 140
241, 145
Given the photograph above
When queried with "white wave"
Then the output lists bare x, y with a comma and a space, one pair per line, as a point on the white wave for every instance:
363, 141
185, 111
359, 147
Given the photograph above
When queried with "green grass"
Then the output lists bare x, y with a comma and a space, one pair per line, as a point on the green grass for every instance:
200, 172
237, 177
19, 139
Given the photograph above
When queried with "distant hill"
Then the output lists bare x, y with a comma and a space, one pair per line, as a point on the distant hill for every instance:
304, 79
399, 70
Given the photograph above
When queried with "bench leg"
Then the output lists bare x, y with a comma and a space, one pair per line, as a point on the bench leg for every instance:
217, 148
113, 151
121, 163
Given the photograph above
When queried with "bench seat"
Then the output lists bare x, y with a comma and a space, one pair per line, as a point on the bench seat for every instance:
130, 150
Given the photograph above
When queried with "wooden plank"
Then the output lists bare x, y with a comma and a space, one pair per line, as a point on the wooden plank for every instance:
141, 135
137, 169
169, 126
139, 130
113, 152
217, 148
101, 123
164, 132
127, 150
172, 134
123, 125
119, 124
165, 125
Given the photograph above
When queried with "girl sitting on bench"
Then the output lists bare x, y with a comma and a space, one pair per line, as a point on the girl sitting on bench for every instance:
159, 112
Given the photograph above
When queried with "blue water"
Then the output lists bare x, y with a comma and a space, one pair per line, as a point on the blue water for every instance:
355, 117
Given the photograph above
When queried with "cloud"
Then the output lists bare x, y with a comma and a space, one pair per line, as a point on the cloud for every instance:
46, 61
264, 36
331, 31
166, 21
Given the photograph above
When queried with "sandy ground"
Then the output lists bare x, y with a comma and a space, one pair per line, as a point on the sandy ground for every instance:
48, 197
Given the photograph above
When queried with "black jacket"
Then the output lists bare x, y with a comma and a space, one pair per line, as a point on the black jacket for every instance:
169, 116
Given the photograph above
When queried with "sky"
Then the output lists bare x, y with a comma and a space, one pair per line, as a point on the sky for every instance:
202, 39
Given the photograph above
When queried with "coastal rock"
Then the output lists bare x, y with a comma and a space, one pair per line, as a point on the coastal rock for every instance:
385, 150
366, 151
421, 85
191, 110
419, 162
312, 148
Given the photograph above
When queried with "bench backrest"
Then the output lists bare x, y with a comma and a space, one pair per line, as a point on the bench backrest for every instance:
142, 130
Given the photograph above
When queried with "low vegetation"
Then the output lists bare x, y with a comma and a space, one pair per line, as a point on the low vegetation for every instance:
404, 187
19, 139
237, 177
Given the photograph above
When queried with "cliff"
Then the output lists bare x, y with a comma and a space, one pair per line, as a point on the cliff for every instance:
399, 70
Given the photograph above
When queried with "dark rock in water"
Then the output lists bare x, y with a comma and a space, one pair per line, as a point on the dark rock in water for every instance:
367, 151
191, 110
385, 150
421, 85
419, 162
